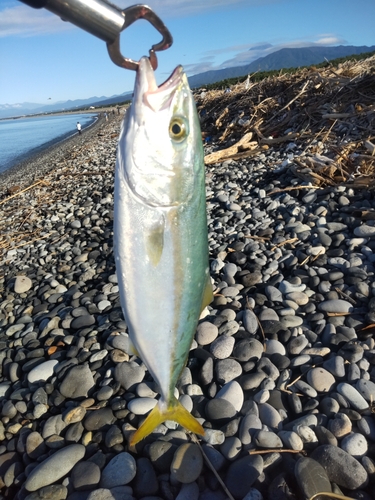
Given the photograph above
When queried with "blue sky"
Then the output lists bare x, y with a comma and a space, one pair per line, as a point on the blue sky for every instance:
42, 57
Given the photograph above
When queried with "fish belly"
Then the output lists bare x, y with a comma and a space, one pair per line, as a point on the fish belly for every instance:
162, 267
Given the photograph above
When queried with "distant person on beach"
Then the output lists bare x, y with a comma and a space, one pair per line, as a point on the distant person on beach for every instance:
79, 128
106, 116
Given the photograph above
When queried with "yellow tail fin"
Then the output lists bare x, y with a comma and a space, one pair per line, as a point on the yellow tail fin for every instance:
162, 412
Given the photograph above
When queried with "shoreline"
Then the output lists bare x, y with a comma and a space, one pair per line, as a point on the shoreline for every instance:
30, 169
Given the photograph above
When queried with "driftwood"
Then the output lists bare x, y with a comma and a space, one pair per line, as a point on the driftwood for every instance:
243, 148
328, 113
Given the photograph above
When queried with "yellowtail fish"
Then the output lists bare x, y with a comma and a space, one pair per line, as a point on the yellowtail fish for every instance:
160, 234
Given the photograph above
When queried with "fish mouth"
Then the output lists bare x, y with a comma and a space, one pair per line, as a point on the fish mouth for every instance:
148, 93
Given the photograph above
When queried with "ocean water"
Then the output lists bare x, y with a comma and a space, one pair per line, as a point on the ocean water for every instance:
24, 137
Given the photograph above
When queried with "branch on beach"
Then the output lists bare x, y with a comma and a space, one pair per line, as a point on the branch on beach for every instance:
45, 183
242, 149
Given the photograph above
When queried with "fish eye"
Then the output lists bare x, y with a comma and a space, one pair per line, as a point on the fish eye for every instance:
178, 129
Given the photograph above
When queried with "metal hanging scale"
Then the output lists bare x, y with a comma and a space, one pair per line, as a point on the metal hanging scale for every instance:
106, 21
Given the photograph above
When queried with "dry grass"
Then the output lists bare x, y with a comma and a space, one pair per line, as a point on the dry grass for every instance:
329, 113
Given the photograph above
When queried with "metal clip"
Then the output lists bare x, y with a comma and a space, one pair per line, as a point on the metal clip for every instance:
131, 15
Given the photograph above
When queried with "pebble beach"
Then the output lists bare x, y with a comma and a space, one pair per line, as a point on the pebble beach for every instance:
281, 372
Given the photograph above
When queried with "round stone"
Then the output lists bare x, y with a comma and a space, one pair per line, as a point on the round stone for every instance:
35, 446
77, 382
98, 419
227, 370
355, 444
291, 440
85, 476
206, 333
335, 306
367, 389
42, 372
222, 347
54, 467
219, 410
269, 416
161, 454
146, 482
242, 474
353, 397
233, 393
267, 439
340, 425
248, 349
341, 468
22, 284
83, 321
120, 470
311, 477
320, 379
250, 321
274, 347
231, 448
187, 463
128, 374
250, 424
141, 406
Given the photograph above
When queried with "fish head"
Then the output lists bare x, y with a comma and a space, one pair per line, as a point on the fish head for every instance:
162, 140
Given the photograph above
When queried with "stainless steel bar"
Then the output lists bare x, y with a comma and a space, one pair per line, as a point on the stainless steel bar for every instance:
97, 17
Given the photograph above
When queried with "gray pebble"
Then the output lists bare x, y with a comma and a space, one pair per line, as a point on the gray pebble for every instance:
119, 471
231, 448
54, 467
206, 333
141, 406
267, 439
22, 284
335, 306
128, 374
227, 370
187, 463
222, 347
233, 393
85, 476
250, 321
367, 389
242, 474
77, 382
341, 467
320, 379
355, 444
352, 396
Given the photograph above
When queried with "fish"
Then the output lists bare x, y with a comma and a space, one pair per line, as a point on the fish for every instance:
160, 234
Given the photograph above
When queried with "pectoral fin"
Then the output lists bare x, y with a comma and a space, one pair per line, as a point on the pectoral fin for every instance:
155, 239
162, 412
208, 295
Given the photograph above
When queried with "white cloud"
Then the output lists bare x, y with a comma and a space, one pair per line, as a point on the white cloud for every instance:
25, 21
249, 53
329, 40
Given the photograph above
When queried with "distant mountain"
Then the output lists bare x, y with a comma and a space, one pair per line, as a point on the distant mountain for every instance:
27, 108
283, 58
